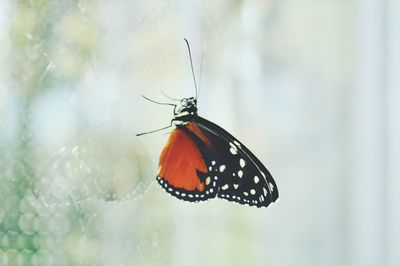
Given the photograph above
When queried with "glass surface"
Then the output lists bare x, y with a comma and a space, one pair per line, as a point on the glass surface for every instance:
308, 86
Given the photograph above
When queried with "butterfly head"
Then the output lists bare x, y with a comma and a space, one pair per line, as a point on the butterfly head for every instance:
188, 106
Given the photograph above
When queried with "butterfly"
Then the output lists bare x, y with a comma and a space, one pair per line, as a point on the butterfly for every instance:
201, 161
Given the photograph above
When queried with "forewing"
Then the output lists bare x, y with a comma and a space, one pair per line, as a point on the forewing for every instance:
242, 177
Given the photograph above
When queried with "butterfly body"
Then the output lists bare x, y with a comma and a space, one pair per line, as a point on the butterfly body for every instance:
201, 160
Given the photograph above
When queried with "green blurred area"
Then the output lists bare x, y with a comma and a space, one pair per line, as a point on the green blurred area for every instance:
49, 202
298, 81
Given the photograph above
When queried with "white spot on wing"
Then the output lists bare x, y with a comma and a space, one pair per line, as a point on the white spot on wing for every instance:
235, 186
233, 145
208, 180
213, 162
225, 187
222, 168
240, 173
242, 162
252, 192
265, 191
233, 151
256, 179
271, 186
237, 143
245, 193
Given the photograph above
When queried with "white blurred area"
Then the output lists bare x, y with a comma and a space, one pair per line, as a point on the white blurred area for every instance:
311, 87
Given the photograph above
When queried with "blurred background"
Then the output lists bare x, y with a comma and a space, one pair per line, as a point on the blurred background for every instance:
312, 88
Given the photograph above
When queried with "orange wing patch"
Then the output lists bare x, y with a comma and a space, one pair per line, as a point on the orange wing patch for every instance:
196, 130
180, 159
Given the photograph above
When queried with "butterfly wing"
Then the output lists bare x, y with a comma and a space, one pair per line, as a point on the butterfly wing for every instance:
201, 160
183, 168
242, 177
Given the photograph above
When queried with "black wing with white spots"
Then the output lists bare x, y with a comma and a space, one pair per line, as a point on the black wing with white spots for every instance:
241, 176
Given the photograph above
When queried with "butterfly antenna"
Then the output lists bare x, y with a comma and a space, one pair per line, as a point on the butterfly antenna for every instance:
201, 73
191, 65
160, 103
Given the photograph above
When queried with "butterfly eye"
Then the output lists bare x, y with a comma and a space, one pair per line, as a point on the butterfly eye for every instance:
184, 102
